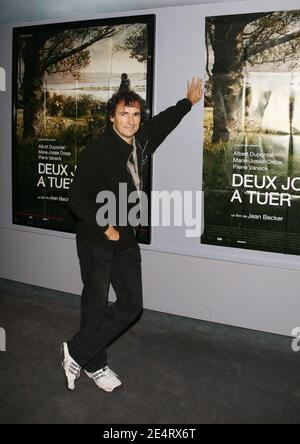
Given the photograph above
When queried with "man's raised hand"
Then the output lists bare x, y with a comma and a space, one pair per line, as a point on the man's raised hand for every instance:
194, 90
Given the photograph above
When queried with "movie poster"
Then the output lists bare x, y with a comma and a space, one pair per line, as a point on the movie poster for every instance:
251, 173
63, 76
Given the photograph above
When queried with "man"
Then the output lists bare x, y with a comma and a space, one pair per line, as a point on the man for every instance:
110, 254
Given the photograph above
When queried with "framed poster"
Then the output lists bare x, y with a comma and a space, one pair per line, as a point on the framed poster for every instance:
251, 175
63, 75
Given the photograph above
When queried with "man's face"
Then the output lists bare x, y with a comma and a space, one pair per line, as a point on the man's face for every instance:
127, 120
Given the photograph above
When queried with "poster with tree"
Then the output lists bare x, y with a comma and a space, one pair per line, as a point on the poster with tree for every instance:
63, 76
251, 173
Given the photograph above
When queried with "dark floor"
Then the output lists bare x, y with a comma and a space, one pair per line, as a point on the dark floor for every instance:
175, 371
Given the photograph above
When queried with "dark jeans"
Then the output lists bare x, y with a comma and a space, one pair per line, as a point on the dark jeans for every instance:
100, 323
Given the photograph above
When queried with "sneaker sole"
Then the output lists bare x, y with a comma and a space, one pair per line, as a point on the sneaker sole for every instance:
116, 389
62, 364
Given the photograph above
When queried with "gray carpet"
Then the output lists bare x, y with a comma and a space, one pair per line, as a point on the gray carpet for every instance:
175, 371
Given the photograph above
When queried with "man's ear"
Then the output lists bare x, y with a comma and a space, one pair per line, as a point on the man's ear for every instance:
112, 118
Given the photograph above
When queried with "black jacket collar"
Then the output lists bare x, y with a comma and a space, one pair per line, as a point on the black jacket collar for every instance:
124, 147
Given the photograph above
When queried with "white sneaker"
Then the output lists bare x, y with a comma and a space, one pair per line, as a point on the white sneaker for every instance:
71, 368
105, 379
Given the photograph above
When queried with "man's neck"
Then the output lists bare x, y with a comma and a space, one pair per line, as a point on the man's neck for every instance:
126, 139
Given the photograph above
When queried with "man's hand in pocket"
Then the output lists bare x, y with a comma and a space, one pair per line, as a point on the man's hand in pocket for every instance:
112, 234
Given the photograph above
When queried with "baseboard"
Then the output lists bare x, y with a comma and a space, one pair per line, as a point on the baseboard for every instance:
28, 291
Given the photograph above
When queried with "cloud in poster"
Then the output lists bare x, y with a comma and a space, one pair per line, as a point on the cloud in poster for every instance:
106, 58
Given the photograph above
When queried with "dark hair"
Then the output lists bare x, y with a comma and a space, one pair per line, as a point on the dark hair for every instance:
129, 98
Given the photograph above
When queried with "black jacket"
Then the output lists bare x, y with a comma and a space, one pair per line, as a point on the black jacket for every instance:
102, 166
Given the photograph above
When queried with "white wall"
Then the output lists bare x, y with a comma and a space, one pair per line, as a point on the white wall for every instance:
243, 288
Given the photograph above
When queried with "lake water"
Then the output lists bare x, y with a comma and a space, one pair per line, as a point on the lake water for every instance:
100, 90
274, 101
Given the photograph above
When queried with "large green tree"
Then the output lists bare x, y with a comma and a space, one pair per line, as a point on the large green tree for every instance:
240, 40
136, 42
50, 52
